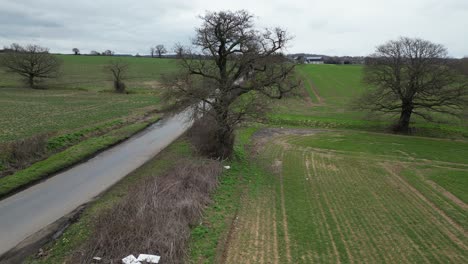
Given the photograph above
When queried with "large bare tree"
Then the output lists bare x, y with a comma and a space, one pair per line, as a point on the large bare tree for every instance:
412, 76
231, 67
160, 50
76, 51
32, 62
152, 51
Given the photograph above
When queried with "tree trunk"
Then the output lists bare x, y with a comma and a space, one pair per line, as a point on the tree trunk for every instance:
31, 81
224, 141
403, 122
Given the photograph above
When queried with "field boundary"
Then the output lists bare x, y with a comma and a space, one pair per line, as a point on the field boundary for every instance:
64, 164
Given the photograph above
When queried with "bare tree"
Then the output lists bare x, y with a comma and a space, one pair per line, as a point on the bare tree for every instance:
152, 52
31, 62
13, 47
412, 76
108, 53
94, 53
239, 65
160, 50
118, 68
178, 50
76, 51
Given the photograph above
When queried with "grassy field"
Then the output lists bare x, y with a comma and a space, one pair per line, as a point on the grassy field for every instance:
80, 98
292, 195
313, 202
327, 98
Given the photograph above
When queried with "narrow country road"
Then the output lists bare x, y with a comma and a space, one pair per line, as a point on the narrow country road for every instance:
29, 211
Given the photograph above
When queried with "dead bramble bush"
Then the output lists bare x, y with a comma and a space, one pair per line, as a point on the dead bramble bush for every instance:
155, 217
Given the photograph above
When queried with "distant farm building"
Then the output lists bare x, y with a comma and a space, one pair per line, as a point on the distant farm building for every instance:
313, 60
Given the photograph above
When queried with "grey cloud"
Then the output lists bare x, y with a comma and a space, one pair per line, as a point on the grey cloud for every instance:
331, 27
13, 18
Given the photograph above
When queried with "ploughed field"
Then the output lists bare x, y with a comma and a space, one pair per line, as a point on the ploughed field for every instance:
352, 197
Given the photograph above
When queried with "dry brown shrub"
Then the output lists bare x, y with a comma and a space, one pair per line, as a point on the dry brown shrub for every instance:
155, 217
203, 136
20, 153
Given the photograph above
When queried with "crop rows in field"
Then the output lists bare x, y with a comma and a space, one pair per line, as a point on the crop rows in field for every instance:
326, 207
29, 112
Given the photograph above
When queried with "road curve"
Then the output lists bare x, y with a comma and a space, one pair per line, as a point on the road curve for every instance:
29, 211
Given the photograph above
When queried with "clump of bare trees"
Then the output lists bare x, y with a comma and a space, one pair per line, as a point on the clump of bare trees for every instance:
118, 68
160, 50
413, 76
32, 62
237, 67
108, 53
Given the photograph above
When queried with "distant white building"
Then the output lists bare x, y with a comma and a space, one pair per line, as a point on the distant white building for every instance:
313, 60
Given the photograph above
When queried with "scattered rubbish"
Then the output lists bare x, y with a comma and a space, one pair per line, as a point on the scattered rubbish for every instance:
130, 259
97, 259
146, 258
227, 167
149, 258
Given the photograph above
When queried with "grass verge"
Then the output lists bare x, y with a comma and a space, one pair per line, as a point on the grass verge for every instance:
67, 158
79, 232
210, 238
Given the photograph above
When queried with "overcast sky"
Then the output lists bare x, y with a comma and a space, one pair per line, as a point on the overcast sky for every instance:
332, 27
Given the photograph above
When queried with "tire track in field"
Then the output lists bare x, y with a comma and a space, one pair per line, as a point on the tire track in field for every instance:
389, 219
404, 218
315, 252
314, 89
418, 194
338, 185
379, 221
447, 194
256, 237
372, 216
408, 219
335, 250
284, 217
360, 228
333, 216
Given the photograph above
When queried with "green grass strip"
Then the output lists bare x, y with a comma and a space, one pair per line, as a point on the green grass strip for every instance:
67, 158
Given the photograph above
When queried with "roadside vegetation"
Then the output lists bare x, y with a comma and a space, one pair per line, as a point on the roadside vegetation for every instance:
43, 131
31, 171
76, 237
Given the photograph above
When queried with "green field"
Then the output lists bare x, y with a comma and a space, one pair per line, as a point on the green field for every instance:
327, 99
315, 202
342, 193
346, 192
80, 98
